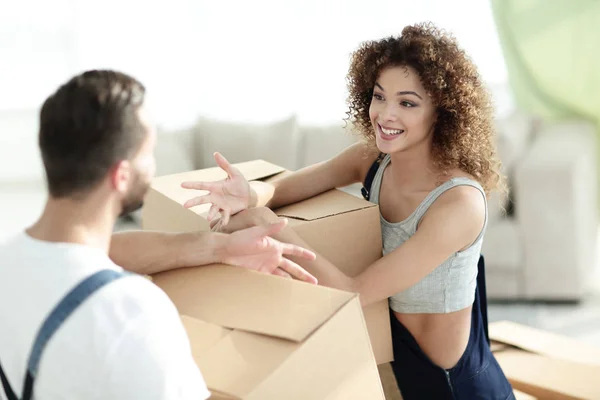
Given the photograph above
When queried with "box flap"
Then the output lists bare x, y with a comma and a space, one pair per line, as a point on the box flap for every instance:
258, 169
498, 346
241, 361
234, 362
521, 395
549, 378
327, 204
202, 335
544, 343
230, 297
214, 395
170, 185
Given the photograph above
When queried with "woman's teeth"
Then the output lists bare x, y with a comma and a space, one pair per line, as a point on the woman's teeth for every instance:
391, 131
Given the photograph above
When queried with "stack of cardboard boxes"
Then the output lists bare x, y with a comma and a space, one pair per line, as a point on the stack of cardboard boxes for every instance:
256, 336
264, 337
546, 365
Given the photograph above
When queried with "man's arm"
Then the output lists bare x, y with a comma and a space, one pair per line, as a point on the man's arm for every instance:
151, 252
146, 252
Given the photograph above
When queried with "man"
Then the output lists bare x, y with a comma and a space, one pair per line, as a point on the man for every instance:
73, 324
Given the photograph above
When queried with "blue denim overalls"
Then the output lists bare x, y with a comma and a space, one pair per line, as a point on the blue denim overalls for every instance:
477, 375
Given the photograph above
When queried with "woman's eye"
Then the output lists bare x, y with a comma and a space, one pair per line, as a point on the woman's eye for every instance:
407, 104
377, 96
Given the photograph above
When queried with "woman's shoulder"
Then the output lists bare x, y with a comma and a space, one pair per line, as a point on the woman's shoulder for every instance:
462, 189
459, 192
464, 185
459, 211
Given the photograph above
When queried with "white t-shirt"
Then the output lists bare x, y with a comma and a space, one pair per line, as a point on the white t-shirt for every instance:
126, 341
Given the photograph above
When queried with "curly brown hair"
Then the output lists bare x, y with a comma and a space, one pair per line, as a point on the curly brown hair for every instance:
464, 132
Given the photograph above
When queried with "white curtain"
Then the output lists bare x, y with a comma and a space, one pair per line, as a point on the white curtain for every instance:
234, 60
242, 60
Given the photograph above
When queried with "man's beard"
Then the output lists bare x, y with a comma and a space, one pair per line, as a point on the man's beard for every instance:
135, 198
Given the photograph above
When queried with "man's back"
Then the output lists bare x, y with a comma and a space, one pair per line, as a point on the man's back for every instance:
124, 342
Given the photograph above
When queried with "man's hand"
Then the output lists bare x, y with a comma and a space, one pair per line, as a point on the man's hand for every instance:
228, 197
254, 248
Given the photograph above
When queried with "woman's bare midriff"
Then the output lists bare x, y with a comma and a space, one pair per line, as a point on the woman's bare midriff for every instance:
442, 337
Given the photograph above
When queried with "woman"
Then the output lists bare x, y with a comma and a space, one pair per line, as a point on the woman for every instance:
418, 100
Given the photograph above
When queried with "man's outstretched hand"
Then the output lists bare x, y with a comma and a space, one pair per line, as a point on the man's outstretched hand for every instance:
253, 248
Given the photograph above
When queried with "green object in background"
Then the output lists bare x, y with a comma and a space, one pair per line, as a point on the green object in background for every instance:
552, 54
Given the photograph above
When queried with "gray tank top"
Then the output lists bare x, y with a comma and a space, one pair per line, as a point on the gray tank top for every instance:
450, 286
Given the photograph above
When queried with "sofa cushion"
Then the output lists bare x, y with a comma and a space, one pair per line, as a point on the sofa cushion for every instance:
504, 285
174, 151
503, 246
556, 204
276, 142
514, 132
320, 143
497, 206
513, 135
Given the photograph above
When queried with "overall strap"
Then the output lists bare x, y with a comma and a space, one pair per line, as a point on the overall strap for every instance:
57, 317
366, 189
483, 295
10, 395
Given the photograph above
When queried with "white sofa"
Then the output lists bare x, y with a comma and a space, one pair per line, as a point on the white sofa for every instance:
287, 142
544, 250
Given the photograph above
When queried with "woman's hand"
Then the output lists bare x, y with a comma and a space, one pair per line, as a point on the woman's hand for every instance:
259, 216
228, 197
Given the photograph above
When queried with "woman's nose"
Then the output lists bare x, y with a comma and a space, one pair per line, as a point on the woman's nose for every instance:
389, 113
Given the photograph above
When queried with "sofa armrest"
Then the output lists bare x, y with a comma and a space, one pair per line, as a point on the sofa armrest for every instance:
555, 200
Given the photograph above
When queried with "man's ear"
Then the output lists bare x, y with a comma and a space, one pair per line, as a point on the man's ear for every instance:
120, 176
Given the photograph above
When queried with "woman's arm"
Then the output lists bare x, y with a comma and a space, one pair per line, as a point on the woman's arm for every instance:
349, 166
451, 224
235, 194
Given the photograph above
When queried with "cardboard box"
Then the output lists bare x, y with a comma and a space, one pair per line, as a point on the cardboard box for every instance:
388, 381
546, 365
340, 227
258, 336
523, 396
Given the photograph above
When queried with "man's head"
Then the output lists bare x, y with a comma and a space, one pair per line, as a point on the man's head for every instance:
94, 131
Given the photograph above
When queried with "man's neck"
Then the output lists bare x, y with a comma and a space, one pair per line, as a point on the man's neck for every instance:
86, 222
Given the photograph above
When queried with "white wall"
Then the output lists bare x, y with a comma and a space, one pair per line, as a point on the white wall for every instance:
19, 156
237, 60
